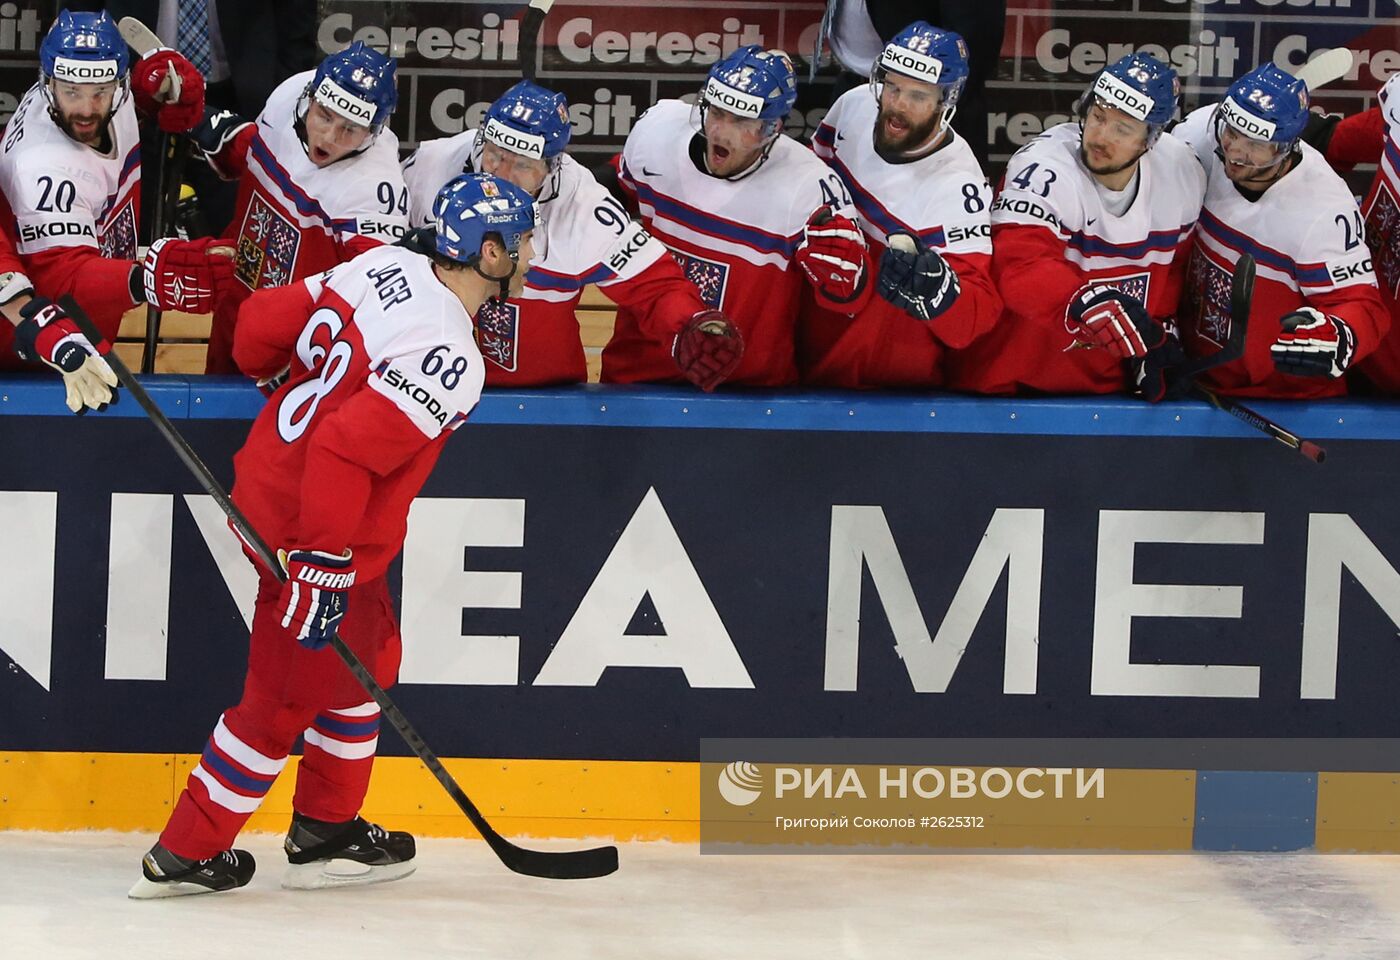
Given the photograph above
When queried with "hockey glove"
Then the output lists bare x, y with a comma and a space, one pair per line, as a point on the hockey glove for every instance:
833, 254
47, 333
189, 275
212, 136
1312, 344
1106, 317
1152, 373
708, 349
314, 598
177, 107
916, 279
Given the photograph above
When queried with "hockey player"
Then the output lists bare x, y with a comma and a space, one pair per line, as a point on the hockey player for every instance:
1316, 307
385, 370
534, 339
1373, 136
319, 179
908, 173
1089, 232
70, 172
733, 200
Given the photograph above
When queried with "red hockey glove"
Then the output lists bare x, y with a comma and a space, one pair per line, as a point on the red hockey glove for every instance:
708, 349
1106, 317
189, 275
1312, 344
314, 600
175, 110
833, 254
46, 333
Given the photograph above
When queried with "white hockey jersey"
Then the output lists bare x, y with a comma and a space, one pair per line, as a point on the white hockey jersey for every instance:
942, 198
734, 239
1053, 233
62, 193
588, 237
1306, 236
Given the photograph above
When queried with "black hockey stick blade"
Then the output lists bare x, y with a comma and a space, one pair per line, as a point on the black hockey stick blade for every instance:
1241, 301
1260, 422
531, 26
549, 864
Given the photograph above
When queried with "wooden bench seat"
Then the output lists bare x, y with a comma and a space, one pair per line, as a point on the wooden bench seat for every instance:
184, 338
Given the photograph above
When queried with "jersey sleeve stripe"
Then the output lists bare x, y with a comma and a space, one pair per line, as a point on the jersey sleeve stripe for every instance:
825, 135
1311, 274
709, 223
1163, 240
305, 205
875, 213
550, 280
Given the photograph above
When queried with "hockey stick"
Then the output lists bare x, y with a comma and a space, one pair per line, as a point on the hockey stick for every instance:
169, 170
563, 865
1327, 67
531, 26
1241, 300
1260, 422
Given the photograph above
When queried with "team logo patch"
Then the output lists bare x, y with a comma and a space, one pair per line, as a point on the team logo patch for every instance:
498, 333
1208, 293
267, 246
1383, 237
708, 276
116, 238
1134, 285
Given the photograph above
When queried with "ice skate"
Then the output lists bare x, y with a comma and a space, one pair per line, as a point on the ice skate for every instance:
164, 874
353, 853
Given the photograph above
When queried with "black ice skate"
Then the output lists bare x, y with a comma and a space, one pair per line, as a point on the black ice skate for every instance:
342, 854
163, 874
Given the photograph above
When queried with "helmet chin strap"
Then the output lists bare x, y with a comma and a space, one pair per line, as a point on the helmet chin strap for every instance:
503, 281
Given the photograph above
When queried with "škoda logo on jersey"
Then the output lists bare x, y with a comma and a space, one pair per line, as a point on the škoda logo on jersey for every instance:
267, 246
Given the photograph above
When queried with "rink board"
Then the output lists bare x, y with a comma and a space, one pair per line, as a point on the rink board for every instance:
599, 578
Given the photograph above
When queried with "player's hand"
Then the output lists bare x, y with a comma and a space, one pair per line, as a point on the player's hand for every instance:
1153, 377
1106, 317
833, 254
314, 598
215, 130
1312, 344
167, 86
189, 275
47, 333
708, 349
916, 279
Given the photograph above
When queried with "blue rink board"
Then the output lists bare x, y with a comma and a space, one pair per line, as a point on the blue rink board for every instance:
613, 406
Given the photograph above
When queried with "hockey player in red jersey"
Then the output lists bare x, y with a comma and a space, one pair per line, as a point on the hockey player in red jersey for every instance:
70, 171
319, 179
534, 339
1089, 229
733, 200
1316, 308
908, 173
1373, 136
384, 369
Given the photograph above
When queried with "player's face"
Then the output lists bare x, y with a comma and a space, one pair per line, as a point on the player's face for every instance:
83, 109
1113, 141
1249, 162
525, 255
732, 143
331, 137
527, 173
909, 114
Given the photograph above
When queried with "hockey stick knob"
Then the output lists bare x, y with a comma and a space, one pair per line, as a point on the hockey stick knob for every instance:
903, 243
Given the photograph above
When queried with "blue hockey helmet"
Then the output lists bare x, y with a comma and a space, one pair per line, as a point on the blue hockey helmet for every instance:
1139, 85
84, 48
529, 120
752, 83
1266, 104
924, 52
472, 205
358, 84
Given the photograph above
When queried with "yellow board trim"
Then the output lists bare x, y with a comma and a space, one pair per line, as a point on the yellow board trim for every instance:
613, 799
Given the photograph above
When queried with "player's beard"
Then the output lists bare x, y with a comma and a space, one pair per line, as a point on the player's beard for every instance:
99, 133
1106, 171
914, 136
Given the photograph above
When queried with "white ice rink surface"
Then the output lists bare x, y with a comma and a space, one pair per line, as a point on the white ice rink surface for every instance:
64, 896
